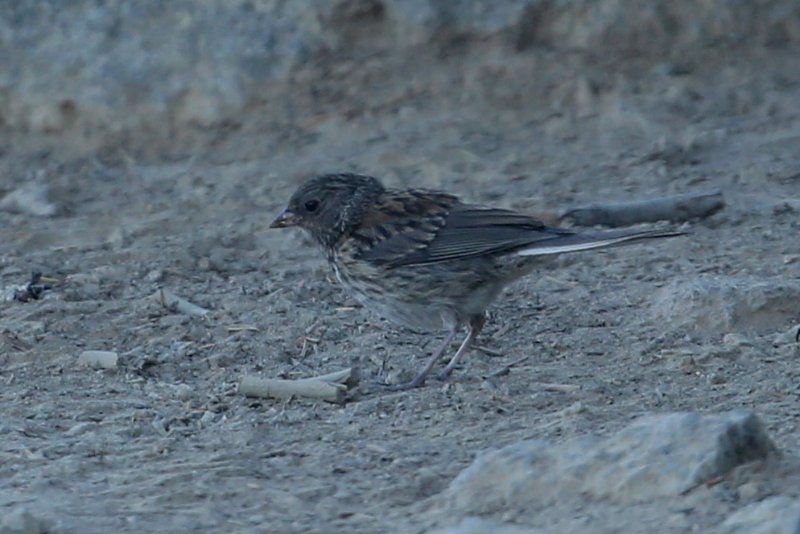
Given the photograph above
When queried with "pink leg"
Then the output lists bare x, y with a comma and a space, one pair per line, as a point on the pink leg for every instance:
419, 380
475, 327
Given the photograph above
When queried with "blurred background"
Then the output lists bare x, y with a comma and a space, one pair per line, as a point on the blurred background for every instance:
176, 78
525, 102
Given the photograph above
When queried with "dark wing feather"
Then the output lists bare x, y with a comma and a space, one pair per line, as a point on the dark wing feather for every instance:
401, 223
443, 231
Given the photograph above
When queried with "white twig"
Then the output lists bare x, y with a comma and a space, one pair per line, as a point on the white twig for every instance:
176, 304
559, 388
677, 208
330, 387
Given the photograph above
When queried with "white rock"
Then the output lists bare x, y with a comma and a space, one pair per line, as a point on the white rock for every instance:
774, 515
655, 456
30, 199
788, 337
99, 359
21, 521
715, 305
736, 340
479, 525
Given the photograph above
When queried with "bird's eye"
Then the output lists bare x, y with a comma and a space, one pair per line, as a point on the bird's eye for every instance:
312, 205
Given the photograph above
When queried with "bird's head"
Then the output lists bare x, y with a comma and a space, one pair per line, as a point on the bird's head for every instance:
329, 206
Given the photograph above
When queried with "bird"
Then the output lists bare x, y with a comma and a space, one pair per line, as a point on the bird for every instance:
425, 259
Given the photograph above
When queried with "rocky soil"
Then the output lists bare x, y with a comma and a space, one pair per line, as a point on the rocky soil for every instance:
147, 146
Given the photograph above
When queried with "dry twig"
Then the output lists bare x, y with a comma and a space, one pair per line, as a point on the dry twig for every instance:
176, 304
677, 208
330, 387
559, 388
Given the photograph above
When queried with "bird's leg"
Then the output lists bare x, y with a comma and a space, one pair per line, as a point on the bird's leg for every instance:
475, 326
419, 380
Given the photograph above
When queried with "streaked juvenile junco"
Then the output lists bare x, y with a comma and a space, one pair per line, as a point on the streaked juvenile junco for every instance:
423, 258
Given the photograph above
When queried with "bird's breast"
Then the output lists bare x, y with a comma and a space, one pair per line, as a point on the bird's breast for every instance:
388, 293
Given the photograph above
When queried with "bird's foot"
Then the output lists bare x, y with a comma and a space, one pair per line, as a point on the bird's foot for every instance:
444, 374
417, 382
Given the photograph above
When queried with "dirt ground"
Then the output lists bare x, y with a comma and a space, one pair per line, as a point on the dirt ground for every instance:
165, 442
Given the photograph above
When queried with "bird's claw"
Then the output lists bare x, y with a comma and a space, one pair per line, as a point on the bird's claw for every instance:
417, 382
444, 374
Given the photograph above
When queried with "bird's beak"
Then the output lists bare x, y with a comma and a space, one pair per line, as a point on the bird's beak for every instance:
285, 219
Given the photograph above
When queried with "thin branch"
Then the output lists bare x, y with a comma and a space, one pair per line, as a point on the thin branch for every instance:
330, 387
677, 208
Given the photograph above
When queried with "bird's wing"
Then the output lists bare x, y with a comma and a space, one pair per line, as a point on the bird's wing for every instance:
426, 227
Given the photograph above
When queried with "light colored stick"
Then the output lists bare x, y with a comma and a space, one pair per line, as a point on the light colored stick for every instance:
327, 387
560, 388
337, 377
242, 328
176, 304
488, 351
677, 208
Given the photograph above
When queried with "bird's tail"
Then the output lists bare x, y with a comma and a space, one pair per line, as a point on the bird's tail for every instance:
569, 242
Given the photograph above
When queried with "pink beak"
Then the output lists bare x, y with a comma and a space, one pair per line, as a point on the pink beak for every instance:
285, 219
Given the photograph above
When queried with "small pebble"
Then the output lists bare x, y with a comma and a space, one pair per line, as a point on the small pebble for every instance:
716, 378
21, 521
156, 275
80, 428
183, 391
99, 359
787, 337
748, 491
736, 340
207, 418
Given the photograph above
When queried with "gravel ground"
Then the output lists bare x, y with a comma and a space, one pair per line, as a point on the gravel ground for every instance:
164, 442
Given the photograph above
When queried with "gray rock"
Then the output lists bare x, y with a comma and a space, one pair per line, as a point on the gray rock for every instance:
609, 26
424, 21
791, 336
478, 525
151, 66
715, 305
99, 359
94, 64
31, 198
774, 515
655, 456
21, 521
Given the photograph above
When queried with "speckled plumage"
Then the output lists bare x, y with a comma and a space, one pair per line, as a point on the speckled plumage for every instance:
423, 258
